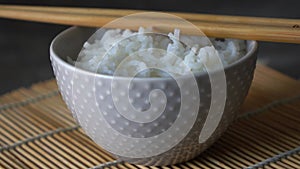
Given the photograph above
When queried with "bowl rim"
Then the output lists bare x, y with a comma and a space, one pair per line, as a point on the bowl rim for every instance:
54, 55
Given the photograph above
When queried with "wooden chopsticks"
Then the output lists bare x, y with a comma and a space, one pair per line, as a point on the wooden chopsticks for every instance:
252, 28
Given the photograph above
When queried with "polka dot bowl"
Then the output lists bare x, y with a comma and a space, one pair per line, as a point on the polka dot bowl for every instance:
113, 111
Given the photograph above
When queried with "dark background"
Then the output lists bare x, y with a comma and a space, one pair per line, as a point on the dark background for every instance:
24, 45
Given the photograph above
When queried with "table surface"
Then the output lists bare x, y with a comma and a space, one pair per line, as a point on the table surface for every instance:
37, 131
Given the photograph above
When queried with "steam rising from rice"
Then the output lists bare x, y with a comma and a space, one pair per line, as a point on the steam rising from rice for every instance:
132, 52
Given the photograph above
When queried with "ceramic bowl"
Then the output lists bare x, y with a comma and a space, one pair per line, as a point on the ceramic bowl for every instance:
168, 137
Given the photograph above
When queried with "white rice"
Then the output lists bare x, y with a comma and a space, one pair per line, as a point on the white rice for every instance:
132, 52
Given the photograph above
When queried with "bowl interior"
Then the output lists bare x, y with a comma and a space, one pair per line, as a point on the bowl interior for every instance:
70, 42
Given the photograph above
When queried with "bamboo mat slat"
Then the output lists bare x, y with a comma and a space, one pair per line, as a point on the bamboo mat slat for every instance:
37, 131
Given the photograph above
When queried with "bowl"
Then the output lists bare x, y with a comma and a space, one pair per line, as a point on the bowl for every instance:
111, 109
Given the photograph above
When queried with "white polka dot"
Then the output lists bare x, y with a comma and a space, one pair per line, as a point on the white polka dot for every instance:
139, 109
217, 87
138, 95
171, 108
186, 108
110, 106
99, 83
124, 108
146, 101
115, 99
101, 97
122, 93
133, 116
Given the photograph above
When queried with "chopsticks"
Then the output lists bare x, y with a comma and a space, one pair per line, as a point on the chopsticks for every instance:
249, 28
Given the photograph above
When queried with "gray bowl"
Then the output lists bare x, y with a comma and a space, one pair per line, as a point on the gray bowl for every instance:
170, 137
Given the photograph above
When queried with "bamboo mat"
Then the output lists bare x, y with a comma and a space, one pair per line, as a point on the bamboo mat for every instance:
37, 131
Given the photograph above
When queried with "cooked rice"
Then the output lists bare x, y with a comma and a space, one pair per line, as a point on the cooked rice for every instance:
131, 52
